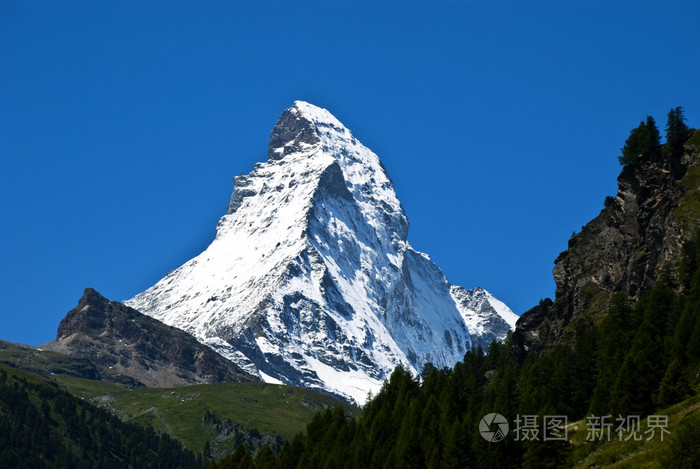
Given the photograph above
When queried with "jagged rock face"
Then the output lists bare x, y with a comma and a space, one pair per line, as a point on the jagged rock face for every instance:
134, 349
310, 280
487, 318
623, 249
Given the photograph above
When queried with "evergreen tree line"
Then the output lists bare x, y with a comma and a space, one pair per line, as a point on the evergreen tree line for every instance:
42, 426
639, 359
645, 140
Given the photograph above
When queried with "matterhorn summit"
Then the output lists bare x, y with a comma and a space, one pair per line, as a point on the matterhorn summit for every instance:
311, 281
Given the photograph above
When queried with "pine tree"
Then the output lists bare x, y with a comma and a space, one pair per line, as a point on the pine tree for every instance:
645, 363
265, 459
674, 385
676, 132
292, 451
616, 335
644, 140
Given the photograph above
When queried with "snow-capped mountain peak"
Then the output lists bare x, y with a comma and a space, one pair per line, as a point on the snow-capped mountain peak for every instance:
311, 280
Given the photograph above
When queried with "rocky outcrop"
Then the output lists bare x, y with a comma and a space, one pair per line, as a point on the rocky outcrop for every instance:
625, 248
232, 435
131, 348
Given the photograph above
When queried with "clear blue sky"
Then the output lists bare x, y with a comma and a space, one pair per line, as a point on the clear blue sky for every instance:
122, 124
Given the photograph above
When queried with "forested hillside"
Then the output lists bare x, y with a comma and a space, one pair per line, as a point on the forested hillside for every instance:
638, 360
626, 355
42, 426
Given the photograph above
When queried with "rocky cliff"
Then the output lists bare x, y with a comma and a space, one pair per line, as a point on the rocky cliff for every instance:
637, 236
131, 348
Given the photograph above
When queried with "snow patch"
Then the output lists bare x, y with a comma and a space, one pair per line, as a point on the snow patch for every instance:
269, 379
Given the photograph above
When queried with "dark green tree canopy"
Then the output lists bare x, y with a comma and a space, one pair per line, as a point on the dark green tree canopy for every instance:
677, 132
643, 141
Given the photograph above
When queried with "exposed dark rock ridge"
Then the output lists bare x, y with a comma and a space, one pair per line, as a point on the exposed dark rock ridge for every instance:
134, 349
291, 132
624, 249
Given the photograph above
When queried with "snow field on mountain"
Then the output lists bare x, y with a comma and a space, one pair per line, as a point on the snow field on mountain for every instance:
311, 280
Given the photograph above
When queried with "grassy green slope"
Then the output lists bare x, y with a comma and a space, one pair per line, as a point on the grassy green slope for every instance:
270, 409
647, 453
